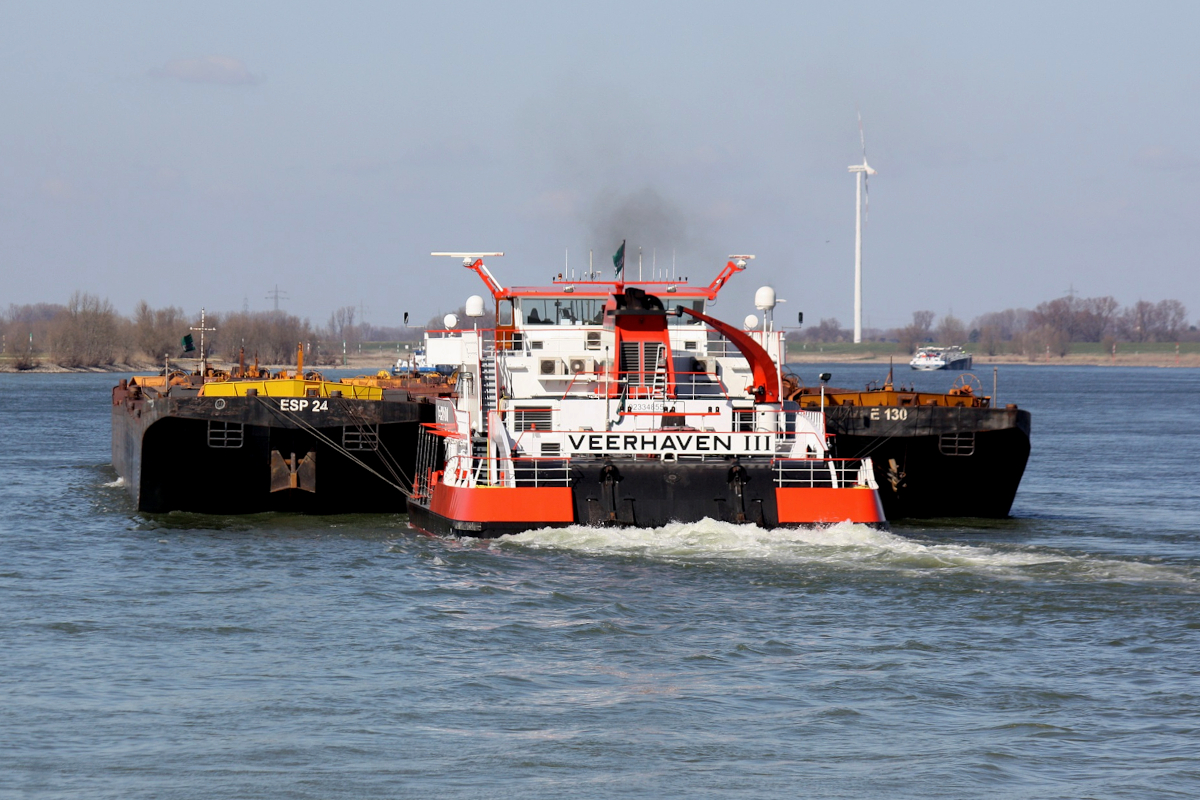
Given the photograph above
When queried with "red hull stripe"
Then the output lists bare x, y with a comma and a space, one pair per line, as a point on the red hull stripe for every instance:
805, 506
550, 504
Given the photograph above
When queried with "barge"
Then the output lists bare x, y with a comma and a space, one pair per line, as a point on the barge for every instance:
935, 454
211, 442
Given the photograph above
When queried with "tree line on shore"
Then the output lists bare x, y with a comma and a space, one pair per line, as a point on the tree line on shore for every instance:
1051, 326
89, 332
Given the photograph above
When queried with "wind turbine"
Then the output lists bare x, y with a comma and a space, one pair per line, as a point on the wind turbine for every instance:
863, 170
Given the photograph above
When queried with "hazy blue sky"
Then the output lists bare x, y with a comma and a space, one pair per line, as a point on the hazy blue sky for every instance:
200, 153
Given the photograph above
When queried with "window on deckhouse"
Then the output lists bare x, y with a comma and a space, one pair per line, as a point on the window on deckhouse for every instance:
685, 319
562, 310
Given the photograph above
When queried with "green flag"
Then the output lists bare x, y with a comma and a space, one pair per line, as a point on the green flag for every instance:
186, 341
619, 259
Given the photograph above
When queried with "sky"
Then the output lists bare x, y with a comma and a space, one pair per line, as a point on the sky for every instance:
202, 154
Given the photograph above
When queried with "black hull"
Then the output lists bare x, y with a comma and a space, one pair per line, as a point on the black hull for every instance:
953, 366
652, 494
938, 461
164, 450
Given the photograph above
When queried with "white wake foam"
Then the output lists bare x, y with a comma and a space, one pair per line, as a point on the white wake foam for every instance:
117, 484
845, 546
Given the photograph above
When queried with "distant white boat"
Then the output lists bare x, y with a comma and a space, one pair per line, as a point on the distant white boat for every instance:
930, 358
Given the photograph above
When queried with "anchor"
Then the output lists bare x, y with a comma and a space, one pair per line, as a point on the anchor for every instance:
288, 473
896, 476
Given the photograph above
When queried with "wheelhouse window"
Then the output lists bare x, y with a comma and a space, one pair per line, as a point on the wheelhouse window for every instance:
694, 305
561, 310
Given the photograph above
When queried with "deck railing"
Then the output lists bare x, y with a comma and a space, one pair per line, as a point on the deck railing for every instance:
835, 473
647, 384
510, 472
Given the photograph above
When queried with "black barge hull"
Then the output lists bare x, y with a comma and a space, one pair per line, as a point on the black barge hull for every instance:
241, 455
937, 461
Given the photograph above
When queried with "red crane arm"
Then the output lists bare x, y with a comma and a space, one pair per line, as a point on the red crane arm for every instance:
766, 380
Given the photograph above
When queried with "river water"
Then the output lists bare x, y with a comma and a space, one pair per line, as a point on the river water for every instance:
1052, 655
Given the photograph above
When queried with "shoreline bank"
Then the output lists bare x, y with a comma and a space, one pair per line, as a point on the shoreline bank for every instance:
1163, 360
371, 364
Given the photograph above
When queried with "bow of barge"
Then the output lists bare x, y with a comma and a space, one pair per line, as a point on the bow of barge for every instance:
935, 454
218, 444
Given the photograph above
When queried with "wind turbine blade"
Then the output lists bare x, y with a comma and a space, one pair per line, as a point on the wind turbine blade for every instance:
866, 198
862, 138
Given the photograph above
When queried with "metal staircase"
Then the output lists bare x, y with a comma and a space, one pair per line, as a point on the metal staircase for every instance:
487, 378
658, 380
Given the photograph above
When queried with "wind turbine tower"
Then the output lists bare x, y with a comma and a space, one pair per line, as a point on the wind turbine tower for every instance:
861, 203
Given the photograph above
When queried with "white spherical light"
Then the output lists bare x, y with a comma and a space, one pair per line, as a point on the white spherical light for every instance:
474, 306
450, 320
750, 322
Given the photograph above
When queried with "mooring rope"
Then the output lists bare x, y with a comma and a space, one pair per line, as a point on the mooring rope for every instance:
389, 461
337, 447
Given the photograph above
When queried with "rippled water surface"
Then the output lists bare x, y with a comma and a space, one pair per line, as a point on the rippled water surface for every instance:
1055, 654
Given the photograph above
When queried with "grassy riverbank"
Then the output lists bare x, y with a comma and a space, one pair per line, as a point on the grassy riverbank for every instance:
1147, 354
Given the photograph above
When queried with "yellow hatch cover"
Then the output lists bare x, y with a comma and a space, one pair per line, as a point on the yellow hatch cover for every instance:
290, 387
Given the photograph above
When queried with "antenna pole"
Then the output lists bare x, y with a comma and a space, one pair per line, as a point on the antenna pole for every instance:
203, 354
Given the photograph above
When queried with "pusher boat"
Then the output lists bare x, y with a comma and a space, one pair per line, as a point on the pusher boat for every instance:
622, 403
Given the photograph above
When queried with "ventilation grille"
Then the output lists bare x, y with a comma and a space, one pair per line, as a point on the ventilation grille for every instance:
639, 363
593, 341
526, 418
631, 358
365, 437
957, 444
551, 448
743, 420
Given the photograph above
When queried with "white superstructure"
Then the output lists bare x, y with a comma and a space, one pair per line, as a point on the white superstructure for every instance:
931, 358
559, 377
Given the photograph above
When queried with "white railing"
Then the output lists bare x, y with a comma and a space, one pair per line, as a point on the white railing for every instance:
508, 472
699, 386
646, 385
813, 473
